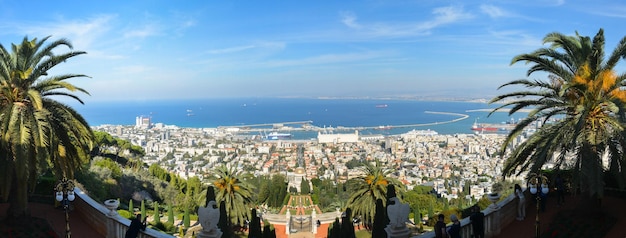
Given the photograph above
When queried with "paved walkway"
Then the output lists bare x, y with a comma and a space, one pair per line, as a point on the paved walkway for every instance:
526, 228
56, 219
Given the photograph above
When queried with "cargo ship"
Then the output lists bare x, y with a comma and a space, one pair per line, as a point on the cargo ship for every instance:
485, 128
504, 127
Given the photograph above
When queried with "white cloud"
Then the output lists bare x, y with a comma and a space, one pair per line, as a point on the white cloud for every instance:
232, 49
259, 46
133, 69
493, 11
143, 32
349, 19
328, 59
441, 16
83, 33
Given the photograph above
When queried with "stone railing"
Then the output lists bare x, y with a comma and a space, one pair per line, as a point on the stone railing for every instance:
95, 215
495, 219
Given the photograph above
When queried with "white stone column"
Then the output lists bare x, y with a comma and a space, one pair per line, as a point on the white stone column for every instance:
494, 228
288, 216
314, 222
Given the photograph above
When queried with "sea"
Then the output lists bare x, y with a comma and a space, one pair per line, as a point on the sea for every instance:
383, 114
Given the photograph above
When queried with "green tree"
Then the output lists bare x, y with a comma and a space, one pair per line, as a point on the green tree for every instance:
585, 93
186, 220
143, 210
157, 215
103, 140
231, 187
304, 187
116, 171
372, 186
264, 191
131, 207
36, 131
278, 191
170, 214
255, 226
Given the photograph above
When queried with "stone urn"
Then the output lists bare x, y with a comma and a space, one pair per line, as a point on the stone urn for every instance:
494, 198
112, 205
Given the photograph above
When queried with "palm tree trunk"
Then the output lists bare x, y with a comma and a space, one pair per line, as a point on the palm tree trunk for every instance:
18, 211
591, 177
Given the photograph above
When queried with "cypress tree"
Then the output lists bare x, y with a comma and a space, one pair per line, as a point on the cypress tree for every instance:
378, 229
186, 221
157, 215
255, 226
131, 208
347, 229
431, 211
304, 186
170, 214
210, 195
268, 232
223, 224
143, 210
334, 231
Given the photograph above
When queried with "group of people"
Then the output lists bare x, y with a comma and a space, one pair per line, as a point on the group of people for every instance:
454, 231
559, 188
477, 217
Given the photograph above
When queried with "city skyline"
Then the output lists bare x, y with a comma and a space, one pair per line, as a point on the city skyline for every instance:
144, 50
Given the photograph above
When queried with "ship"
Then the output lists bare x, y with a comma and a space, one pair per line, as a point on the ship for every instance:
483, 127
277, 136
382, 106
383, 128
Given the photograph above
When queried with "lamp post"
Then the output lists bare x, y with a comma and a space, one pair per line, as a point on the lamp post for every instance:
538, 187
65, 194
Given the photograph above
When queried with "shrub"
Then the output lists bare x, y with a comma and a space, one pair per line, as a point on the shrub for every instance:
125, 214
165, 227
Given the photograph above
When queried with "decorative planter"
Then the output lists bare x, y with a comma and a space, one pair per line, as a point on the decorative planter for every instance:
494, 198
112, 205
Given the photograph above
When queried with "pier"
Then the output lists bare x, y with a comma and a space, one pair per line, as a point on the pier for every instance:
307, 125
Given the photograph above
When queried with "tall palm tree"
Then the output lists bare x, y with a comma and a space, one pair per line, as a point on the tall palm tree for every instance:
372, 186
36, 131
231, 188
585, 95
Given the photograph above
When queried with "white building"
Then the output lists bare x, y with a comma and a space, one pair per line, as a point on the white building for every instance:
338, 138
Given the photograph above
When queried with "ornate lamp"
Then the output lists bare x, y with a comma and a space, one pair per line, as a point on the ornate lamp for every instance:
65, 195
538, 186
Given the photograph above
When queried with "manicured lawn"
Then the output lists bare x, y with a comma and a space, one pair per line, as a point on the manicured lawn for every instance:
363, 234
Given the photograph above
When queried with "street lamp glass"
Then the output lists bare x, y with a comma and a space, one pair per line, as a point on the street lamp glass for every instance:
59, 196
70, 196
533, 189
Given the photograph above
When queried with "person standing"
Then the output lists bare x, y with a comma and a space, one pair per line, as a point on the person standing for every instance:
521, 203
455, 228
478, 222
440, 227
560, 189
135, 225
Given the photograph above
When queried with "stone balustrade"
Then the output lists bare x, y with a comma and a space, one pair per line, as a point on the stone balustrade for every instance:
495, 219
95, 215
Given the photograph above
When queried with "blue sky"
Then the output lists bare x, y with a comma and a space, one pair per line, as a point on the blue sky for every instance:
141, 50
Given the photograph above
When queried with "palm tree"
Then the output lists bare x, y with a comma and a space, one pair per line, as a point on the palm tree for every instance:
584, 94
37, 132
231, 188
372, 186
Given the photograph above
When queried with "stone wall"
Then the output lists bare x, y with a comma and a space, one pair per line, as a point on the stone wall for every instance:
95, 215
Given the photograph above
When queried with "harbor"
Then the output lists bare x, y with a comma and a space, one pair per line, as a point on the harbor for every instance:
308, 126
